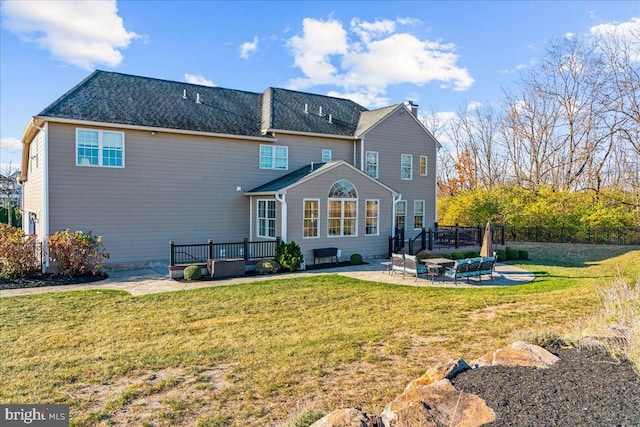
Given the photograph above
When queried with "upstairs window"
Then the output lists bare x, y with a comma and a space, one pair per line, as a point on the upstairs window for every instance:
99, 148
326, 156
423, 165
371, 166
406, 167
274, 157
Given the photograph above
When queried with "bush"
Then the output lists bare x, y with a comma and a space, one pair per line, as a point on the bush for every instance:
76, 253
19, 254
289, 256
457, 255
471, 254
523, 254
512, 254
267, 266
502, 254
355, 259
192, 272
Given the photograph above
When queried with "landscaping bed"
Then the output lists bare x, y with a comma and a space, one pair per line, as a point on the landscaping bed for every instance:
49, 280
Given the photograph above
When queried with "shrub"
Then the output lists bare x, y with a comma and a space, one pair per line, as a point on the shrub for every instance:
267, 266
457, 255
512, 254
289, 256
523, 254
192, 272
423, 255
502, 254
471, 254
19, 254
77, 253
355, 259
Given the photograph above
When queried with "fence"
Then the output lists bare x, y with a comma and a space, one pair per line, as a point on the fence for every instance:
610, 236
199, 253
444, 237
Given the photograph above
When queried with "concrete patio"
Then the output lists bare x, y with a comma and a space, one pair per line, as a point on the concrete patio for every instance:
154, 280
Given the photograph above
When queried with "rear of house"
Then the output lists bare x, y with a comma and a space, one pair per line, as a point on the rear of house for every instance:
144, 161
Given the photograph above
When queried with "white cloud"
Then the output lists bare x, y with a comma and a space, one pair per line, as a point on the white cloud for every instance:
628, 32
474, 105
373, 58
248, 47
82, 33
197, 80
10, 144
570, 35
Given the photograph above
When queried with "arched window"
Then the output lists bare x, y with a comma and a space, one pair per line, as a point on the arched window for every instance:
342, 210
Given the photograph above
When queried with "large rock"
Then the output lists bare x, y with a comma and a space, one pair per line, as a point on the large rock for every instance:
351, 417
442, 371
518, 354
438, 404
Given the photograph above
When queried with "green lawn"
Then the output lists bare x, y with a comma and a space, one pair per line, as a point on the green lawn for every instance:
255, 354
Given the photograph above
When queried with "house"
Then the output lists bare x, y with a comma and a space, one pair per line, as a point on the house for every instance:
142, 161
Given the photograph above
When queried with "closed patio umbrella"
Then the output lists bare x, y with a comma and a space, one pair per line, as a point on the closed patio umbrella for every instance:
487, 241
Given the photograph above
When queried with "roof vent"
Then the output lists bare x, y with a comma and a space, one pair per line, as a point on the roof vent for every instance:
306, 108
198, 100
320, 112
330, 119
184, 94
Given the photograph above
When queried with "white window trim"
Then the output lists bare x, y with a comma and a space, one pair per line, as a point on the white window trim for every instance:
366, 164
426, 165
414, 214
258, 218
410, 167
100, 148
304, 218
324, 151
377, 217
341, 235
273, 157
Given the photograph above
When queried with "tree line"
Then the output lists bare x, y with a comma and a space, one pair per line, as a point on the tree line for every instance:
570, 124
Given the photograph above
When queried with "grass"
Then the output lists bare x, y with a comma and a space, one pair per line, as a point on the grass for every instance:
248, 355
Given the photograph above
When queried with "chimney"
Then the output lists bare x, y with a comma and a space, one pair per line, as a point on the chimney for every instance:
413, 107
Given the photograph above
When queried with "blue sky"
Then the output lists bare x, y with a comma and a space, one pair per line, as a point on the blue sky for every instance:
441, 55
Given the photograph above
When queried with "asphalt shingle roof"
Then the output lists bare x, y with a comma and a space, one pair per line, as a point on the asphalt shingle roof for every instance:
109, 97
287, 180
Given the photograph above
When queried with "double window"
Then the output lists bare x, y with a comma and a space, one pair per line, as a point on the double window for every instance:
274, 157
343, 210
99, 148
406, 166
267, 218
311, 226
371, 166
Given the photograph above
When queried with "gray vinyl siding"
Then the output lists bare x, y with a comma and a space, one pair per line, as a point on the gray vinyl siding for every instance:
33, 189
400, 134
306, 149
318, 188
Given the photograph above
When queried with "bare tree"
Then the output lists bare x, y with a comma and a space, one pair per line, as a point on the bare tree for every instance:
9, 190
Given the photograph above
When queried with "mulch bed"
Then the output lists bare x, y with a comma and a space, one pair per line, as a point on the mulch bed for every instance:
49, 280
585, 388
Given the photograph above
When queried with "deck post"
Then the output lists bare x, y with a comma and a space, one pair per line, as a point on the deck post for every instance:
245, 251
210, 242
171, 254
430, 239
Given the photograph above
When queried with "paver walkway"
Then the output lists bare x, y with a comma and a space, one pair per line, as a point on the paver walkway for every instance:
154, 280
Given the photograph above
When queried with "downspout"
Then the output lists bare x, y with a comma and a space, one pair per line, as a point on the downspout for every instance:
45, 191
362, 165
283, 228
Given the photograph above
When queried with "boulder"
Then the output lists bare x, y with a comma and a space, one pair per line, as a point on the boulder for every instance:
446, 370
438, 404
351, 417
518, 354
